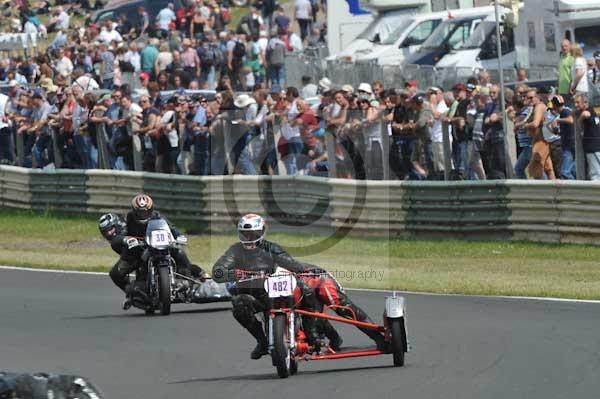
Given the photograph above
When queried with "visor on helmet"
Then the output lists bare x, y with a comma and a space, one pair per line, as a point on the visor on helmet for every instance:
250, 236
109, 232
143, 214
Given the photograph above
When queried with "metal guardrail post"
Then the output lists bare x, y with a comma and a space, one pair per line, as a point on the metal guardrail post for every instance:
102, 140
272, 144
34, 163
579, 154
182, 152
447, 150
385, 149
227, 128
58, 159
511, 149
136, 146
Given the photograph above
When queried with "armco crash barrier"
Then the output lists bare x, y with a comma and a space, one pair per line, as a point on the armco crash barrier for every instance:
561, 211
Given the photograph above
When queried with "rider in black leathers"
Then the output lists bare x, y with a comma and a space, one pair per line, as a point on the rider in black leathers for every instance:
127, 241
255, 254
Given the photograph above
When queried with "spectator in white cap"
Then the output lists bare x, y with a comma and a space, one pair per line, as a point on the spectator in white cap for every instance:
348, 89
309, 89
365, 91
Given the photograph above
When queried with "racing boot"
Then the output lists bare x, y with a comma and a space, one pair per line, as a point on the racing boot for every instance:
309, 325
377, 337
262, 344
129, 292
335, 341
127, 303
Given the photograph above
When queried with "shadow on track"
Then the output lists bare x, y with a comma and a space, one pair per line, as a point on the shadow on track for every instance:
273, 375
140, 314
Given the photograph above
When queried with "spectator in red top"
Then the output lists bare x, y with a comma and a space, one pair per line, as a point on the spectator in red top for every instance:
307, 120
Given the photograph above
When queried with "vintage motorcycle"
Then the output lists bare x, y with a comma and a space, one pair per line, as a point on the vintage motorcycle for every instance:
158, 284
288, 343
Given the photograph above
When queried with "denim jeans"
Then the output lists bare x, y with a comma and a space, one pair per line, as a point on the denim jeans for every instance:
294, 149
593, 165
107, 84
43, 144
277, 75
84, 148
241, 155
209, 76
522, 162
568, 165
461, 159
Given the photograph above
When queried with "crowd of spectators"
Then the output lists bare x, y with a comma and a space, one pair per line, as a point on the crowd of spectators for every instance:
229, 110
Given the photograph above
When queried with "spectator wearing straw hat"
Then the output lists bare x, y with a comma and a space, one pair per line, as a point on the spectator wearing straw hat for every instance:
241, 150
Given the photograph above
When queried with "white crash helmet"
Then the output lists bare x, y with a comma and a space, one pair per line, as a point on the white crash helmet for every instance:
251, 230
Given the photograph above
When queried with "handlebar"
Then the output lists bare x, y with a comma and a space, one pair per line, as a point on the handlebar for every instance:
246, 275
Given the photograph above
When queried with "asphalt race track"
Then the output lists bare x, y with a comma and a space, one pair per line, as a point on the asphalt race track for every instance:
463, 347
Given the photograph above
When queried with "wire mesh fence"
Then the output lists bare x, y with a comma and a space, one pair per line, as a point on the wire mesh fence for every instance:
312, 63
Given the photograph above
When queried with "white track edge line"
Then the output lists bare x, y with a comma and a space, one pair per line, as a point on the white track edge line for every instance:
529, 298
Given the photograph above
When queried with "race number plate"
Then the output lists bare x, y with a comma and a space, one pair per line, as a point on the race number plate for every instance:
278, 286
159, 238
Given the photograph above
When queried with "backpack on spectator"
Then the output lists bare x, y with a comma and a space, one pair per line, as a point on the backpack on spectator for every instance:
211, 56
126, 66
239, 51
276, 53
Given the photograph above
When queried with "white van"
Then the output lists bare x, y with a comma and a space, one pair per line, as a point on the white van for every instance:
449, 34
354, 25
377, 31
535, 42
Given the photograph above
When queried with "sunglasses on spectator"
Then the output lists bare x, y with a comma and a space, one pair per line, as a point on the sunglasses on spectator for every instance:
530, 97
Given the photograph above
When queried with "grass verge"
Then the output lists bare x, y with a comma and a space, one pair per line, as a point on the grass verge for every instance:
30, 239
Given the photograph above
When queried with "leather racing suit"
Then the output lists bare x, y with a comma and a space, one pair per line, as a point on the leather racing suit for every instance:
250, 300
130, 257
